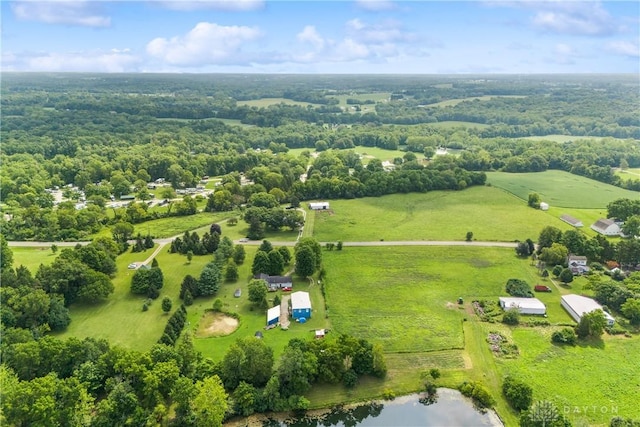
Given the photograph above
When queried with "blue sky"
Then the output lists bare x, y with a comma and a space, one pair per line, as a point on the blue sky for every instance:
375, 36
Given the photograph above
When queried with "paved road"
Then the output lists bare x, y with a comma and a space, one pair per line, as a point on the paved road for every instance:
486, 244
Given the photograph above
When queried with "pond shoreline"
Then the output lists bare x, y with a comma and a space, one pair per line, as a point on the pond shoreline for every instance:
446, 397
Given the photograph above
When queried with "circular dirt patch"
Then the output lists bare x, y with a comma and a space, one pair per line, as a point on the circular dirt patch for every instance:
216, 325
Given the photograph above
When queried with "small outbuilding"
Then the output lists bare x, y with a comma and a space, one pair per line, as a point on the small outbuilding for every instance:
571, 220
607, 227
524, 305
273, 316
577, 306
300, 305
544, 206
318, 206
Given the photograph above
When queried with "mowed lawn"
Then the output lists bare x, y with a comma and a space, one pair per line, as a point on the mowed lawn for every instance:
559, 188
592, 383
490, 213
121, 319
32, 257
406, 297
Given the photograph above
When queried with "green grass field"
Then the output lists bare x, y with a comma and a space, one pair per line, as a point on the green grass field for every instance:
265, 102
452, 102
32, 257
591, 382
449, 124
567, 138
559, 188
627, 174
172, 226
410, 293
488, 212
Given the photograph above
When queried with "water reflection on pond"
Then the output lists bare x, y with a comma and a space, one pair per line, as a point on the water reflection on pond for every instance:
450, 408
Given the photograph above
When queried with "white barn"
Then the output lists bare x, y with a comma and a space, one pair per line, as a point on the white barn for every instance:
606, 227
524, 305
318, 206
577, 306
544, 206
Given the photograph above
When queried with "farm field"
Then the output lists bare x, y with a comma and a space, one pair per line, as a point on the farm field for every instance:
598, 391
405, 298
381, 154
449, 124
560, 188
265, 102
452, 102
172, 226
437, 215
567, 138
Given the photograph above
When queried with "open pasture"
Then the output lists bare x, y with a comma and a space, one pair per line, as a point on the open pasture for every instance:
176, 225
490, 213
405, 298
592, 381
266, 102
452, 102
559, 188
452, 124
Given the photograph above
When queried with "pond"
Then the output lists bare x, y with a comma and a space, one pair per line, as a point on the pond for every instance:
450, 408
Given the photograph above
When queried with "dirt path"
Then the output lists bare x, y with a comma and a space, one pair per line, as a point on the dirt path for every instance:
153, 255
284, 311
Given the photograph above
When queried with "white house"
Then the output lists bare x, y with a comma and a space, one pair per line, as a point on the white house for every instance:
318, 206
577, 306
524, 305
606, 227
571, 220
577, 264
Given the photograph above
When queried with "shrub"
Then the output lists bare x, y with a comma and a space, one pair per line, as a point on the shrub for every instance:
519, 288
435, 373
564, 336
518, 393
388, 394
511, 317
478, 393
350, 378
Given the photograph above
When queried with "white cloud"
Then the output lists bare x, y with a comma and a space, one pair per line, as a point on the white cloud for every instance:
310, 35
563, 54
206, 44
384, 32
376, 5
112, 61
570, 17
225, 5
80, 12
625, 48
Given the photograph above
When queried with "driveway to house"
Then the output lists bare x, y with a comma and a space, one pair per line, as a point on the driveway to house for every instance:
284, 311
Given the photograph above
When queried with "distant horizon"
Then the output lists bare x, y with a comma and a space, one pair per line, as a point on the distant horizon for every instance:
373, 37
179, 73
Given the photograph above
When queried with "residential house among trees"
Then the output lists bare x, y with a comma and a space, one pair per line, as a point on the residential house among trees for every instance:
577, 264
277, 282
606, 227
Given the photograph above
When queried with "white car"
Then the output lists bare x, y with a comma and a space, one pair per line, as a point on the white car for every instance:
244, 239
133, 266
